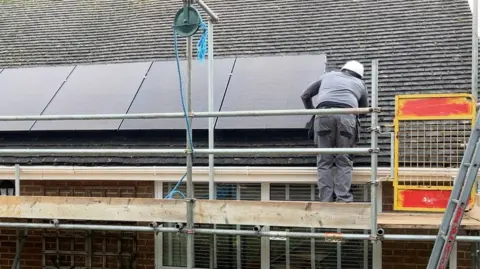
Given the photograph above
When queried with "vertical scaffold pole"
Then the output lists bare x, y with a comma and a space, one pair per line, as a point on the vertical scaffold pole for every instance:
211, 108
190, 239
19, 234
475, 49
377, 256
21, 237
475, 56
211, 138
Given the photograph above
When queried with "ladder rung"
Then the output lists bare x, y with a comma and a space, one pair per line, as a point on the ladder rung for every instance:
456, 201
467, 164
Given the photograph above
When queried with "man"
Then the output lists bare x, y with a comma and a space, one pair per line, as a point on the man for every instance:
337, 89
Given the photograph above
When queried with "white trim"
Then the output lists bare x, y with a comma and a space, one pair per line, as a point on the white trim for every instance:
243, 174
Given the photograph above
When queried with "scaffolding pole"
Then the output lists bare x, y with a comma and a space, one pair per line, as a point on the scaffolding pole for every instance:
375, 130
211, 138
211, 108
210, 13
475, 49
20, 239
156, 228
151, 152
374, 157
192, 114
190, 195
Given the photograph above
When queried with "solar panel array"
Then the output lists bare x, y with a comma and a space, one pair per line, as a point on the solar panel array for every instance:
149, 87
265, 83
161, 93
95, 89
28, 91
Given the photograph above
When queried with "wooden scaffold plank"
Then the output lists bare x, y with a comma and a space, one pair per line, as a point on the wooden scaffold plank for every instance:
401, 220
271, 213
284, 213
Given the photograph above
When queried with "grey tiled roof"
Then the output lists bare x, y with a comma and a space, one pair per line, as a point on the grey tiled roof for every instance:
403, 34
423, 46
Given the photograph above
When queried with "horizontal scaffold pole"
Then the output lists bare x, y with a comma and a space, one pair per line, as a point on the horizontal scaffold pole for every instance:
207, 10
153, 228
149, 151
255, 113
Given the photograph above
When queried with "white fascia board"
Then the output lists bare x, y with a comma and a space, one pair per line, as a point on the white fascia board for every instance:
303, 175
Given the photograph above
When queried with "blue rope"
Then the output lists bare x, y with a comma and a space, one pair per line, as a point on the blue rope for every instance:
174, 190
202, 44
181, 89
202, 49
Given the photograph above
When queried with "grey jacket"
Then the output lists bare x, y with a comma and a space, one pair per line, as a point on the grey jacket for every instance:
336, 89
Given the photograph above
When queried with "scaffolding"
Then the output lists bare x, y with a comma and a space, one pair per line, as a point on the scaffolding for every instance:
376, 235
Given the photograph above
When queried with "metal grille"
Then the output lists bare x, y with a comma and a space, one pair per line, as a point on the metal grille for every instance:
86, 249
175, 244
431, 144
89, 249
233, 252
315, 253
305, 253
7, 187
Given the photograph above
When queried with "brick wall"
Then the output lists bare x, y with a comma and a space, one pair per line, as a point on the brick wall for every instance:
32, 253
414, 255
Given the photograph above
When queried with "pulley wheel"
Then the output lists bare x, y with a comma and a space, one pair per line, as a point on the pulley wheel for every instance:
187, 21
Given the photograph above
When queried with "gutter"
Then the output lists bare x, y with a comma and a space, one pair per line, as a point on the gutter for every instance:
300, 175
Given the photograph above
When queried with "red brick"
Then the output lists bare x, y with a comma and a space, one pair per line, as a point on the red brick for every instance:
416, 254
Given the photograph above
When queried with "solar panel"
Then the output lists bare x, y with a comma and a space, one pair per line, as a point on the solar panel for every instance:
95, 89
161, 93
265, 83
27, 91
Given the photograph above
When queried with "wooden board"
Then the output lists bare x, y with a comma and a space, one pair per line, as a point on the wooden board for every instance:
420, 221
91, 208
271, 213
283, 213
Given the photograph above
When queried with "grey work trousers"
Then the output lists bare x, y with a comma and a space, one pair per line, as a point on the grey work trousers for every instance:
335, 131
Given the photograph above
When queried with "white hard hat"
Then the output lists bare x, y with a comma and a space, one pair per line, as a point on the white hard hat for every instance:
354, 66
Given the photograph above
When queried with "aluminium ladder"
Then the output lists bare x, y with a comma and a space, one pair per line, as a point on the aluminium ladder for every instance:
461, 192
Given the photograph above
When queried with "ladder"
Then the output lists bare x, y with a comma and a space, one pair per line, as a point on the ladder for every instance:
462, 189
